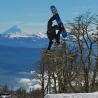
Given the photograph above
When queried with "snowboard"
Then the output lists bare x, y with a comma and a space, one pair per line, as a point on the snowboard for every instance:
58, 20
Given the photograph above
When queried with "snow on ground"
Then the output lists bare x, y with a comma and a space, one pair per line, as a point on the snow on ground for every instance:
74, 95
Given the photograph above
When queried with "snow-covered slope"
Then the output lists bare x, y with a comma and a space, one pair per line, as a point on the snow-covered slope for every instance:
75, 95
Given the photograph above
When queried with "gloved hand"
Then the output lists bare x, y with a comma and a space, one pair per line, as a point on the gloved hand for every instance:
64, 34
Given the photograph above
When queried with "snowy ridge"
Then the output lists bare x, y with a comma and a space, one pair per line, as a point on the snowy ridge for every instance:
16, 35
40, 35
23, 35
16, 32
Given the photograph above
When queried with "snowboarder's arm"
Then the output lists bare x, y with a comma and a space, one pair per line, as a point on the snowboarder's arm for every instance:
52, 19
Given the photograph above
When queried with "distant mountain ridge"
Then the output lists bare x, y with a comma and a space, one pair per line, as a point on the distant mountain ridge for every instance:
15, 32
14, 36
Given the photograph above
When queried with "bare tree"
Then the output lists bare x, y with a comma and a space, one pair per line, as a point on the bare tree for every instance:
73, 67
82, 27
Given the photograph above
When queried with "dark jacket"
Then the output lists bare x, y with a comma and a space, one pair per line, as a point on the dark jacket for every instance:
58, 20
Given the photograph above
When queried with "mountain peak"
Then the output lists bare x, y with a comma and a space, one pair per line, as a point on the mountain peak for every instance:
13, 29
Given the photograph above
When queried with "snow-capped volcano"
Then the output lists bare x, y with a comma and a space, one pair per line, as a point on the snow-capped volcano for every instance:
13, 29
12, 32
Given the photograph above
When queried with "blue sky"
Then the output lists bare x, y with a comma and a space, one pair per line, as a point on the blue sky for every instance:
32, 15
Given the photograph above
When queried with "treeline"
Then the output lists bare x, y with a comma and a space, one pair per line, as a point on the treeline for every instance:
74, 66
20, 92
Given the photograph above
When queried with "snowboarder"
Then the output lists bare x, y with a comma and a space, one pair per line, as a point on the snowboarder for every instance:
51, 30
58, 20
52, 34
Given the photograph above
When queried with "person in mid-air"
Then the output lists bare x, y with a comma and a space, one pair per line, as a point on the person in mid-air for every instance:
57, 18
51, 30
52, 34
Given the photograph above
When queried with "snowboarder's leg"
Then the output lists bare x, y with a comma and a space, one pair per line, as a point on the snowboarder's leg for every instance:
57, 38
50, 37
58, 44
50, 45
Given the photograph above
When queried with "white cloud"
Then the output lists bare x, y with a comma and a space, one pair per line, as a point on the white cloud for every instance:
25, 81
37, 86
35, 81
30, 83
